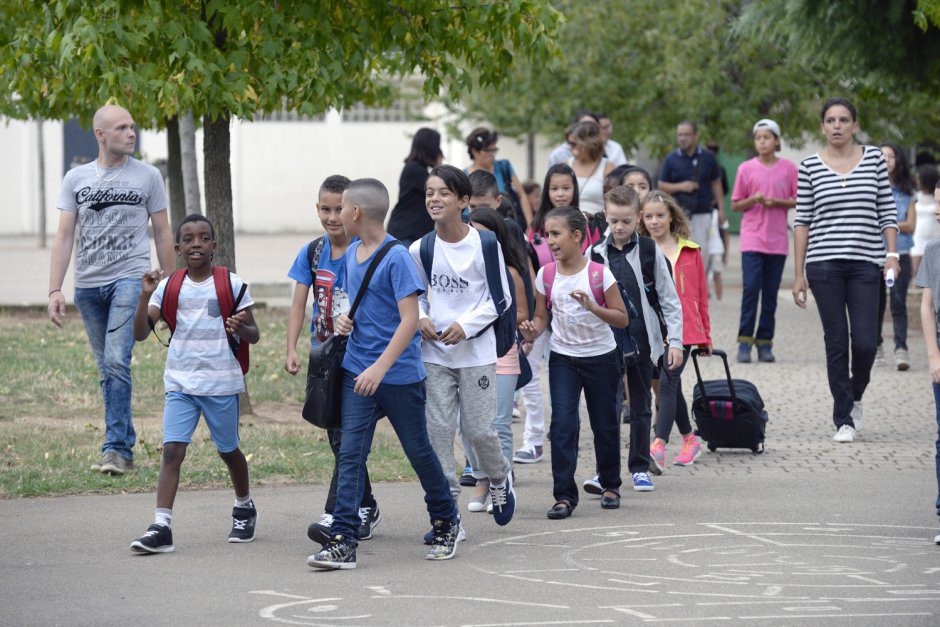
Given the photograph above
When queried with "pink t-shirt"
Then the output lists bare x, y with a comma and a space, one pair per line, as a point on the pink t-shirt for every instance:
764, 229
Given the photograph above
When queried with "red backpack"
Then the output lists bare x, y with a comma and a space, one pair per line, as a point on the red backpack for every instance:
228, 302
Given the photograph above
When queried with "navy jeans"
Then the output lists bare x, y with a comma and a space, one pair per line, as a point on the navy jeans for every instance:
898, 304
639, 380
404, 405
850, 287
335, 437
107, 313
598, 376
936, 397
761, 275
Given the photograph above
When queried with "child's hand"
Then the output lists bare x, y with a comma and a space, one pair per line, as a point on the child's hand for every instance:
529, 331
368, 381
342, 324
453, 334
674, 359
427, 329
759, 199
707, 348
150, 281
933, 363
292, 362
527, 347
584, 300
234, 323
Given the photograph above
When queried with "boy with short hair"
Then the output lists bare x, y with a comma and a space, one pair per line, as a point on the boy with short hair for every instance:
928, 277
320, 265
459, 348
382, 370
642, 270
202, 374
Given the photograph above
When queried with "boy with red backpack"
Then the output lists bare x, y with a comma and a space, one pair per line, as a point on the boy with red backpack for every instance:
208, 311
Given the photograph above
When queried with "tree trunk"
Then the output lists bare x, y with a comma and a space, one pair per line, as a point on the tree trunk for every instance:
216, 149
189, 166
174, 173
41, 162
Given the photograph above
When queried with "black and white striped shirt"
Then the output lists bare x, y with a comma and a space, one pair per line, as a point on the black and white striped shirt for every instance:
846, 213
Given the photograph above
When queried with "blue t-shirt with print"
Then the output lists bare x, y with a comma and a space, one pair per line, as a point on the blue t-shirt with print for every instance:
902, 201
377, 317
329, 289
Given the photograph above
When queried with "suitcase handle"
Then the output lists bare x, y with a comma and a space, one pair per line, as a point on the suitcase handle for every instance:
698, 374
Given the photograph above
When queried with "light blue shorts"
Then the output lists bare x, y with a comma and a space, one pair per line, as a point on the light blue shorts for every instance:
181, 415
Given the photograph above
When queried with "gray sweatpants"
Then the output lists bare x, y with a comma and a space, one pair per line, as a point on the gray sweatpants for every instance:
469, 393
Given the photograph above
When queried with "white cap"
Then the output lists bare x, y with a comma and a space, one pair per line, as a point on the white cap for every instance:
768, 124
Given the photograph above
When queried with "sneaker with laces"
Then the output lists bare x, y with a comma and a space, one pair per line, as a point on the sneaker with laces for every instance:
461, 535
844, 435
96, 466
319, 531
113, 463
593, 485
901, 359
529, 454
642, 482
503, 498
658, 456
858, 415
445, 534
370, 518
338, 554
157, 539
243, 523
691, 449
880, 355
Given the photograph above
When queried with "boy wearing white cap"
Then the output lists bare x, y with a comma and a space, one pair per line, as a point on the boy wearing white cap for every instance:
764, 189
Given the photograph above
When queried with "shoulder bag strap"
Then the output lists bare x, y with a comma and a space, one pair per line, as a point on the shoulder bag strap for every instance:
379, 256
314, 250
548, 277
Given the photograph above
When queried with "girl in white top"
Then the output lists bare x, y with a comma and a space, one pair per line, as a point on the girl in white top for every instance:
590, 165
585, 302
926, 227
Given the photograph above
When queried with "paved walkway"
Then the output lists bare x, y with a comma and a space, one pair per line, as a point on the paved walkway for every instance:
809, 530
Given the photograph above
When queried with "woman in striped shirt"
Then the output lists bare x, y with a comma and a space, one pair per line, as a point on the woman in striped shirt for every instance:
843, 207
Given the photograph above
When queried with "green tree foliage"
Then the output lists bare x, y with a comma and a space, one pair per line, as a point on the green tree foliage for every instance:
220, 59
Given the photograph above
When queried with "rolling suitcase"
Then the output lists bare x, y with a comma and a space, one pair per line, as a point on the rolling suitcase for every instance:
729, 413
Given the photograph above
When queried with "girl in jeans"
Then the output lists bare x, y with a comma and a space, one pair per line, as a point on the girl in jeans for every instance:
843, 209
664, 221
584, 355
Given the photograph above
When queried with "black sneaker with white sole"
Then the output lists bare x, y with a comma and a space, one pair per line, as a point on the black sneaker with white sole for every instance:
370, 518
243, 523
338, 554
445, 534
319, 531
158, 539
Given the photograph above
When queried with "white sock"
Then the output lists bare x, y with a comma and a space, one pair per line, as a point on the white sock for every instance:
243, 501
163, 516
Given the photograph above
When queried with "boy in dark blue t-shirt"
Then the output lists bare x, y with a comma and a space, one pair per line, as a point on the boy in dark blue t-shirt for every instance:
329, 301
383, 370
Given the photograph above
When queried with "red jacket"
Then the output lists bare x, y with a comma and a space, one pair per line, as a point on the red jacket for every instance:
692, 287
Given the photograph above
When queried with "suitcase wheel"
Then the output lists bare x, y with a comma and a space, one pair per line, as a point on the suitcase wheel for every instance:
712, 448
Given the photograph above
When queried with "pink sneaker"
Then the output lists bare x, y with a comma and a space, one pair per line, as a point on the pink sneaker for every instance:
691, 449
658, 455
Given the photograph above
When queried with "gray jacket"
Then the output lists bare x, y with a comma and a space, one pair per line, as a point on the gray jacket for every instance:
668, 299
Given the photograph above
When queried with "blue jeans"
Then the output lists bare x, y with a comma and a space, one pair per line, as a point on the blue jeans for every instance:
846, 293
404, 405
936, 397
639, 380
761, 277
898, 304
104, 308
502, 423
599, 376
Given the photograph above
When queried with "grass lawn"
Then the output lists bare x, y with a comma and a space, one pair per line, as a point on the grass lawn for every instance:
52, 418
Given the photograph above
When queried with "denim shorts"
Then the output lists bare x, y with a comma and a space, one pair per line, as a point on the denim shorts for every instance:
181, 415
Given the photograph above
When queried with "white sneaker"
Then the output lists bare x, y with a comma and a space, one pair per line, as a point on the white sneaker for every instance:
858, 415
936, 539
844, 434
901, 359
880, 356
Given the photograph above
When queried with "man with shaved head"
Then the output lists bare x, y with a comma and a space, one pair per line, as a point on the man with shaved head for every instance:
111, 201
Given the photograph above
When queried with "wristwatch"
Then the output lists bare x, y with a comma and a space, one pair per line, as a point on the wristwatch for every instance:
893, 255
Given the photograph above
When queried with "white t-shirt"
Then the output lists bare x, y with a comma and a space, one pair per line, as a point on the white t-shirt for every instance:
457, 292
200, 360
577, 332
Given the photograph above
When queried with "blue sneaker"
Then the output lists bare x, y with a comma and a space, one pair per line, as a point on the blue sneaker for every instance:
504, 501
744, 353
642, 482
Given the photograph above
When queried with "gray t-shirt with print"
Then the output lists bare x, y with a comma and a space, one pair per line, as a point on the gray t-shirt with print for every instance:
112, 219
928, 275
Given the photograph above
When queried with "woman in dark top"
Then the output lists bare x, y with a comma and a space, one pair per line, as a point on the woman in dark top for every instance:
410, 219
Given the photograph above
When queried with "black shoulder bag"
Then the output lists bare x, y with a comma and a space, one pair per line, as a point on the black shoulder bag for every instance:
325, 368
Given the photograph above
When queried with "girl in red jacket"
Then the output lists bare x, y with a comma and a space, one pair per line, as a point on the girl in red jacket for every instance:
664, 221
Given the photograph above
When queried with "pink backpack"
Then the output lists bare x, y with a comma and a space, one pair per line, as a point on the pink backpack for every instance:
595, 278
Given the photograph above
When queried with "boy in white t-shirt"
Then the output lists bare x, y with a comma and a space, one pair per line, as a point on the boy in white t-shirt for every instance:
202, 374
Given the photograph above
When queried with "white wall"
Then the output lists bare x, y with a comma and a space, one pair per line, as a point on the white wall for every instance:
19, 171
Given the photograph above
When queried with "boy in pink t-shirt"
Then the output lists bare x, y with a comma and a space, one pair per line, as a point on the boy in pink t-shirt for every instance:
764, 189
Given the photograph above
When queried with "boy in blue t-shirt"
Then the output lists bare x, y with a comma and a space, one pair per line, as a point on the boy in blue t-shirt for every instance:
329, 301
382, 371
202, 376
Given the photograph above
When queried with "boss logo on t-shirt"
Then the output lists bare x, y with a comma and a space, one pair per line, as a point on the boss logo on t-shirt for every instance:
448, 283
